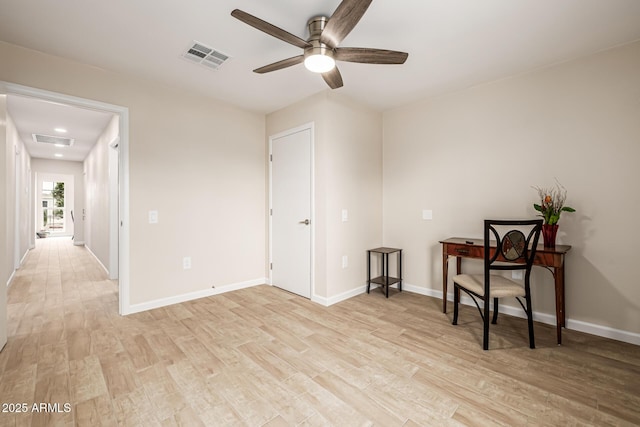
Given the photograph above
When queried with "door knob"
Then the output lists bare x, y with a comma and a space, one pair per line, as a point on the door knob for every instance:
305, 222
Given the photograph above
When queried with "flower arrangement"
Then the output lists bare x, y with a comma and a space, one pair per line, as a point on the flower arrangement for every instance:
552, 203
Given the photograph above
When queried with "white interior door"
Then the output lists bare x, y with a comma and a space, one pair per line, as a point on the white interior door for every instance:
291, 219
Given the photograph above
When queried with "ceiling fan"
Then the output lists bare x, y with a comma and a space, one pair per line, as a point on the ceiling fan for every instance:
321, 49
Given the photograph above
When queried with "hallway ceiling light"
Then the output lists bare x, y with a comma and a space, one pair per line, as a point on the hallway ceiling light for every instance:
60, 130
58, 155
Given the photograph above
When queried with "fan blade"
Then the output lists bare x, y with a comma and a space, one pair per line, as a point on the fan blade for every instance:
270, 29
370, 56
343, 20
333, 78
280, 64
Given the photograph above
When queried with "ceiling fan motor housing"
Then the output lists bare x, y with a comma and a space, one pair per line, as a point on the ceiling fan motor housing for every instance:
316, 25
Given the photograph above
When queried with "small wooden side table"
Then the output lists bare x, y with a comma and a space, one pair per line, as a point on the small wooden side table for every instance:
385, 280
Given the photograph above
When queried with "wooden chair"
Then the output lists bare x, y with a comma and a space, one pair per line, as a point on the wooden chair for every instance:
511, 250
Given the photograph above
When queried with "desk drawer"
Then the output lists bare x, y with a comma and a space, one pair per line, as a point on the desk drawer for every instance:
465, 251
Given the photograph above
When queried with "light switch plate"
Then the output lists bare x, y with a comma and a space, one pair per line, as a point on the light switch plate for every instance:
186, 263
427, 214
153, 217
345, 215
345, 261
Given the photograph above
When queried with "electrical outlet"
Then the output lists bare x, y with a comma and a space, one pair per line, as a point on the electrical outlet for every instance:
516, 274
186, 263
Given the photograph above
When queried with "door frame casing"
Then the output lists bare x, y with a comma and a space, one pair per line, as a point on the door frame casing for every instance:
310, 127
123, 173
114, 206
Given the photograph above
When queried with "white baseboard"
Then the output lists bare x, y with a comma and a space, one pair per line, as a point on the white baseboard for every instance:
13, 273
422, 291
320, 300
335, 299
11, 278
346, 295
549, 319
78, 243
96, 258
603, 331
340, 297
163, 302
24, 256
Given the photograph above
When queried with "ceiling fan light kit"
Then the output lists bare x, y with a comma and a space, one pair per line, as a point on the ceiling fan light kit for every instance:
319, 62
321, 49
318, 57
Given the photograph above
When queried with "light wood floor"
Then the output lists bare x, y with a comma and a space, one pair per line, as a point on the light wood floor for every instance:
262, 356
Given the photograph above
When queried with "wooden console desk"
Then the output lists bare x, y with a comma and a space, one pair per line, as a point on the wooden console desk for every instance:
550, 258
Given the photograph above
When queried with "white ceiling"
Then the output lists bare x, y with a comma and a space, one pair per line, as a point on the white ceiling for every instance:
31, 116
452, 44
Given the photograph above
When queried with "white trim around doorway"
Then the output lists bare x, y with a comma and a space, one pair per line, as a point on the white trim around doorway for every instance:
123, 173
311, 127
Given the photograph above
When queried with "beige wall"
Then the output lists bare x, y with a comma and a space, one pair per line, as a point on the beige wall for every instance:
97, 199
14, 203
4, 242
353, 171
6, 246
202, 165
199, 162
24, 198
10, 197
18, 236
475, 154
348, 175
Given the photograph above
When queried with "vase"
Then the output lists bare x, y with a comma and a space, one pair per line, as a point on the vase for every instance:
549, 235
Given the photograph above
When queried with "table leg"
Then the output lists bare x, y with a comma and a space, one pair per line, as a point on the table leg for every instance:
559, 285
400, 270
386, 275
458, 271
368, 270
445, 274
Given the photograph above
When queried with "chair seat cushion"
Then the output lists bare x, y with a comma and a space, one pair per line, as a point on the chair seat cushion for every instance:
500, 286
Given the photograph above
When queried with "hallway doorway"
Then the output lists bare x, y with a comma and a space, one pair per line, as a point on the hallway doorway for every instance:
54, 205
118, 216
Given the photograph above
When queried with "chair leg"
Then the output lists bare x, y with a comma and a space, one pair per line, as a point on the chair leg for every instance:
532, 342
495, 311
456, 298
485, 320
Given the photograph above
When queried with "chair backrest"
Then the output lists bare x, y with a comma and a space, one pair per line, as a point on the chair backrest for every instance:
515, 243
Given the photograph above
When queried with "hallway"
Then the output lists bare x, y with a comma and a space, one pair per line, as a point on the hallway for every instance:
60, 286
57, 298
